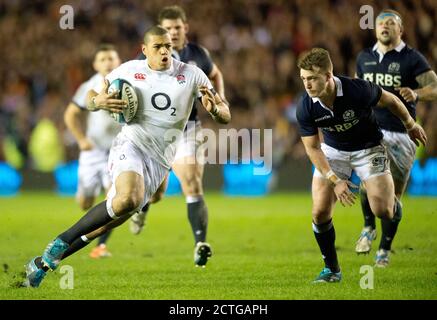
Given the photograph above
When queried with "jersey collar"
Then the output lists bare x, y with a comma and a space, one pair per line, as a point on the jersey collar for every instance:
339, 87
176, 55
399, 48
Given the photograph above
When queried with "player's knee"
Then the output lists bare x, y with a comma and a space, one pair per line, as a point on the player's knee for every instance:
193, 185
157, 197
85, 203
383, 211
128, 202
321, 216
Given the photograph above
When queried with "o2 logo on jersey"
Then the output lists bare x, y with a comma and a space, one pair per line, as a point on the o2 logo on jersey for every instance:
162, 102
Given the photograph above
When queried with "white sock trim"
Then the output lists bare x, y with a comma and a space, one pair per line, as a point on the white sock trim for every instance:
322, 228
110, 211
193, 199
85, 239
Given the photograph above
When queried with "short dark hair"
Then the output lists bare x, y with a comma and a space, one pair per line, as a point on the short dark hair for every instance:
154, 31
172, 13
104, 47
316, 57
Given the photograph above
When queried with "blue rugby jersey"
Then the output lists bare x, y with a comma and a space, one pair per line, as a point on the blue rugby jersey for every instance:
351, 125
396, 68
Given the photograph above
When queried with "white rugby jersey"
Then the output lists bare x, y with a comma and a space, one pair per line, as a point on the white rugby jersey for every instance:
165, 102
101, 127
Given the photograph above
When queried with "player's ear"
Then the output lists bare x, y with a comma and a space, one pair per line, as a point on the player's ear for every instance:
144, 49
187, 27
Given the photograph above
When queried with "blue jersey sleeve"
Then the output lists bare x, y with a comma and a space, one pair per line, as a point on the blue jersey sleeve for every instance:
419, 63
307, 126
207, 64
358, 69
368, 93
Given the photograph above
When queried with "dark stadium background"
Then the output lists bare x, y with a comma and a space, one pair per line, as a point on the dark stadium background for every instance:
254, 42
263, 247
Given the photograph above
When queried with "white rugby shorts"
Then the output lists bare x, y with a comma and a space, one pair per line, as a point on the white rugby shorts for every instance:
125, 156
401, 152
367, 163
189, 144
93, 173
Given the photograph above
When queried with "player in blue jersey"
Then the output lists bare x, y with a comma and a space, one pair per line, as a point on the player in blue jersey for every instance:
403, 71
342, 108
188, 165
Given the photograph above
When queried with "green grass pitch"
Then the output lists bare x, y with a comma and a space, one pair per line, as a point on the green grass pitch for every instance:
263, 248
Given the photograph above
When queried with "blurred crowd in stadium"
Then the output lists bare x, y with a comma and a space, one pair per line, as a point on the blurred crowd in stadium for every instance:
254, 42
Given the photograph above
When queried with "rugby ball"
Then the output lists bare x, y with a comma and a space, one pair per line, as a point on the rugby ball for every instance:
127, 93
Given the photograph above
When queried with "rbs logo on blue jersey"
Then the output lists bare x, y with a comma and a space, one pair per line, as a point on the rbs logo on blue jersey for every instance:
383, 79
342, 127
349, 116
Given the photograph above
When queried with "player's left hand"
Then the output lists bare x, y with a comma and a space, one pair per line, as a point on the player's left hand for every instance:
343, 193
417, 134
208, 100
408, 94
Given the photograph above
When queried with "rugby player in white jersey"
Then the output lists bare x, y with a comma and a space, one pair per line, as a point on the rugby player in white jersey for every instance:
94, 132
144, 150
189, 160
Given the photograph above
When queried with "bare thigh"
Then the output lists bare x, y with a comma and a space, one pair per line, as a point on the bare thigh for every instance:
381, 195
129, 193
190, 174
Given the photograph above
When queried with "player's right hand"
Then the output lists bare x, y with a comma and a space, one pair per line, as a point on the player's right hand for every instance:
408, 94
417, 134
85, 145
208, 100
106, 101
343, 193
